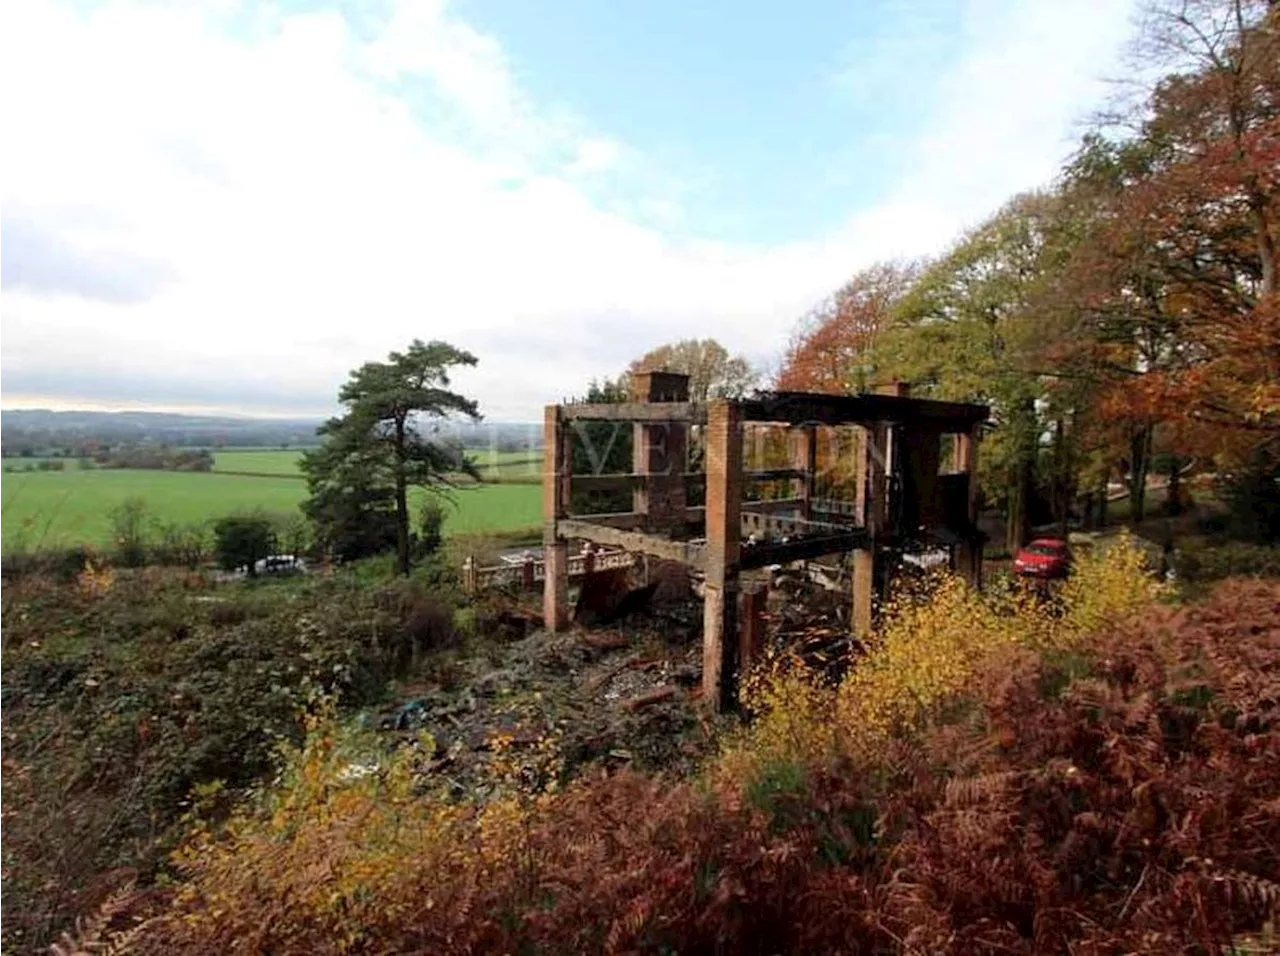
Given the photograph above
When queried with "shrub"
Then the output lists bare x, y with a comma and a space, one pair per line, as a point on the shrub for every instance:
293, 533
426, 625
431, 521
930, 641
123, 694
1122, 813
129, 530
1252, 496
240, 541
1213, 562
183, 545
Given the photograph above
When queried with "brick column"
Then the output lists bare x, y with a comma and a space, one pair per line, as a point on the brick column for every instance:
660, 451
751, 626
556, 475
724, 541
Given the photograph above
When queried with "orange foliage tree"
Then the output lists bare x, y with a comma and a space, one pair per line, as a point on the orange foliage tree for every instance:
830, 349
1174, 286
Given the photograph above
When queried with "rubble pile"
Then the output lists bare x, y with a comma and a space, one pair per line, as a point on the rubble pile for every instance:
623, 695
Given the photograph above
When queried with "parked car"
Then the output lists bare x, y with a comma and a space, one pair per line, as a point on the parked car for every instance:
1045, 558
280, 564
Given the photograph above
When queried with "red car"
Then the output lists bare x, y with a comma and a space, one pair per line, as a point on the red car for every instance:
1043, 558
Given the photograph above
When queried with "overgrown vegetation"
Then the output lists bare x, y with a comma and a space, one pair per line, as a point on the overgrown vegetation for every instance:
129, 694
998, 776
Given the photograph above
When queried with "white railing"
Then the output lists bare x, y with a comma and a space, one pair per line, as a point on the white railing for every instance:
531, 572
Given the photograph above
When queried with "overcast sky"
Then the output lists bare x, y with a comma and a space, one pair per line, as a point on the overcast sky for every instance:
227, 207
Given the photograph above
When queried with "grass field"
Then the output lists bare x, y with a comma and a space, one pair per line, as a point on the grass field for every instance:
494, 465
259, 461
64, 508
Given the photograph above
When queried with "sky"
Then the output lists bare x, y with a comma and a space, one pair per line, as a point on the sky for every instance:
225, 207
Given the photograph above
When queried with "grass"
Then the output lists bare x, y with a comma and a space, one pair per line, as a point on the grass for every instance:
48, 509
494, 465
259, 461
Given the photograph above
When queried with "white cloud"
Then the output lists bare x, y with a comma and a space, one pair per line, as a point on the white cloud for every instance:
314, 195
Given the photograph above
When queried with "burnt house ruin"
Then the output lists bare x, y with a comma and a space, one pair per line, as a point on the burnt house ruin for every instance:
908, 468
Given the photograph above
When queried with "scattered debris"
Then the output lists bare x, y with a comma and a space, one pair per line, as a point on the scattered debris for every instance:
622, 695
600, 596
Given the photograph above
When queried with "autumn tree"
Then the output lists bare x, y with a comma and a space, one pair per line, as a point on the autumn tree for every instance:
381, 445
831, 348
713, 372
968, 330
1172, 292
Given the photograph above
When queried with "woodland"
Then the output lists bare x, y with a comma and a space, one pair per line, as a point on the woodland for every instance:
1121, 319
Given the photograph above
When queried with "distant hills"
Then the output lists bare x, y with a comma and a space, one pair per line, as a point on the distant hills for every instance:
44, 432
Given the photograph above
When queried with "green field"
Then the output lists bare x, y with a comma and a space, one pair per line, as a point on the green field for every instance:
48, 509
259, 461
494, 465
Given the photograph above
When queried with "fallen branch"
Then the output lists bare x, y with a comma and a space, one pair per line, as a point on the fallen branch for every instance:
655, 696
607, 641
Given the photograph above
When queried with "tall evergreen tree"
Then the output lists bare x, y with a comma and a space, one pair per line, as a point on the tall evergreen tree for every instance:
359, 479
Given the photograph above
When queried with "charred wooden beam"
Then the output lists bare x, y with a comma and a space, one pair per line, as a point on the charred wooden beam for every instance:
772, 505
803, 408
762, 474
773, 474
683, 551
627, 481
687, 413
814, 546
628, 520
623, 520
557, 470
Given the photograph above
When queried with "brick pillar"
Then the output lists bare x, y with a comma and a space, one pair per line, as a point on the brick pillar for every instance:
969, 554
556, 476
870, 470
751, 626
724, 542
660, 451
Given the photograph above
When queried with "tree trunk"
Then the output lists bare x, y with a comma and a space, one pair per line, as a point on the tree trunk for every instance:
402, 504
1022, 485
1102, 504
1139, 456
1266, 250
1018, 525
1173, 504
1061, 481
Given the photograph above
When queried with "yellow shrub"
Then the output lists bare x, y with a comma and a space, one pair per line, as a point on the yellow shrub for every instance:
794, 719
96, 579
1110, 583
928, 646
333, 839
